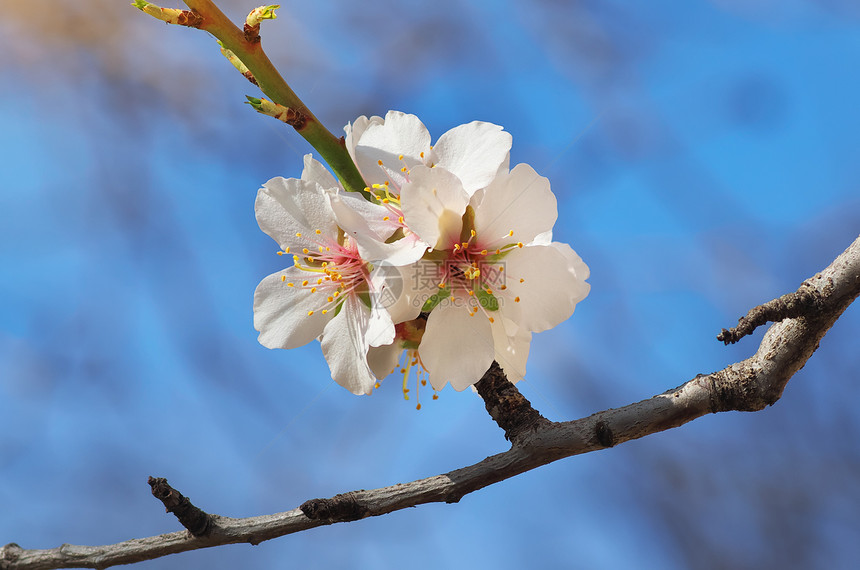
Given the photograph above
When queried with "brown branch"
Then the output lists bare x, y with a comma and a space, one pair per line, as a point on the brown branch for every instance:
195, 520
508, 408
803, 302
749, 385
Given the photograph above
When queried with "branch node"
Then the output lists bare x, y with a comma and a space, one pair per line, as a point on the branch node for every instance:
198, 522
508, 408
604, 434
9, 553
340, 508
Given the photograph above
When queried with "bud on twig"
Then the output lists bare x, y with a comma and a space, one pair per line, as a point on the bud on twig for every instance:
289, 116
257, 15
188, 18
237, 63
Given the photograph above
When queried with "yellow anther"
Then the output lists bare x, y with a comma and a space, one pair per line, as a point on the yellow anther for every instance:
286, 250
503, 287
516, 299
376, 385
471, 293
283, 278
519, 244
441, 285
472, 232
400, 157
400, 219
387, 182
330, 299
305, 250
324, 311
489, 291
291, 284
280, 253
313, 289
310, 313
492, 320
456, 247
511, 233
498, 251
385, 218
298, 234
421, 154
385, 200
319, 281
321, 249
318, 232
522, 280
379, 162
404, 169
305, 283
483, 252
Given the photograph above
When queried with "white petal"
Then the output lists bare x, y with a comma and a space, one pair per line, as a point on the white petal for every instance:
512, 350
288, 206
394, 289
314, 171
520, 201
400, 135
574, 262
473, 152
544, 238
353, 131
433, 203
383, 359
344, 345
456, 347
405, 251
359, 217
546, 284
281, 312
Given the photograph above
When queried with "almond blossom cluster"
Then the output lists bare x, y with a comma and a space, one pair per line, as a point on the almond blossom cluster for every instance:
449, 266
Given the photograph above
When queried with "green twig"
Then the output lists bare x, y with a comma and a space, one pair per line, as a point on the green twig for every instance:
251, 54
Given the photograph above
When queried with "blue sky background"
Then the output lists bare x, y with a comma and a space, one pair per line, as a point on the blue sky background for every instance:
705, 157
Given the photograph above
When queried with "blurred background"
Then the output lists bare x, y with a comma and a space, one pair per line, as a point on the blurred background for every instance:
705, 157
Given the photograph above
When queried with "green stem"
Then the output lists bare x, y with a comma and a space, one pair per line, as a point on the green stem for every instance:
331, 148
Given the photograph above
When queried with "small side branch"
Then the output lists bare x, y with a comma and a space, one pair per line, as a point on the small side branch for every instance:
507, 406
805, 302
194, 519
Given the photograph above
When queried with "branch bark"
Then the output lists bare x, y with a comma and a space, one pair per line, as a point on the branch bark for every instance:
749, 385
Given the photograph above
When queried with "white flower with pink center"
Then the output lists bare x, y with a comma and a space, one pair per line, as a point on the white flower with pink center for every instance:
491, 279
329, 290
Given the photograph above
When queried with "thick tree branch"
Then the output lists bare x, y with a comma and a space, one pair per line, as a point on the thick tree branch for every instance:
749, 385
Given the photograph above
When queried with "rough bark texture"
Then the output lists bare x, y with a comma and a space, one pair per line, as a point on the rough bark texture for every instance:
749, 385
